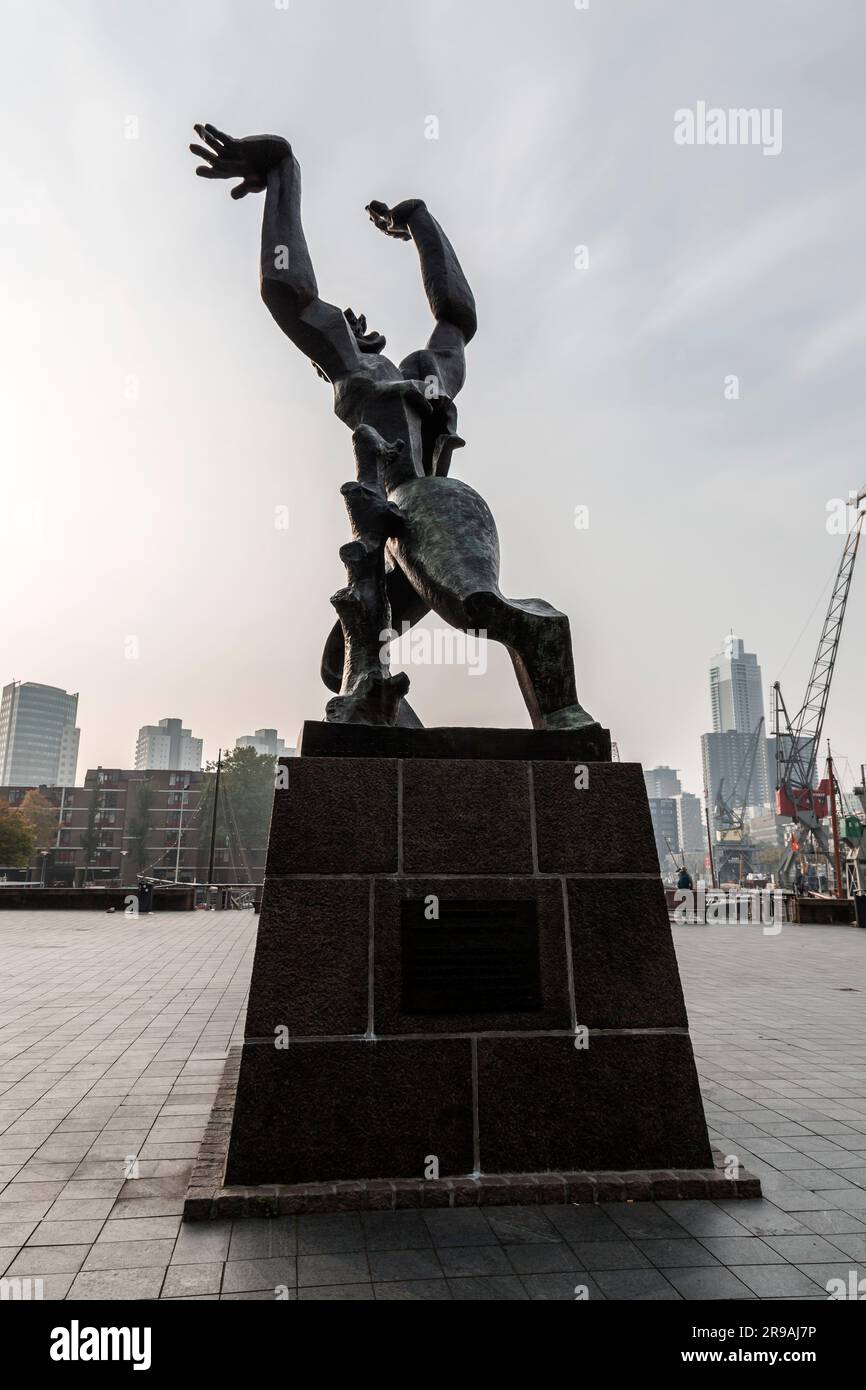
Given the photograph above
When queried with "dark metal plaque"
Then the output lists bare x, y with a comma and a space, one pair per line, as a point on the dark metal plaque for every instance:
478, 958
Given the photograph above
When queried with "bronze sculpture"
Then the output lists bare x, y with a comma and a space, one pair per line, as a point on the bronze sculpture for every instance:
422, 540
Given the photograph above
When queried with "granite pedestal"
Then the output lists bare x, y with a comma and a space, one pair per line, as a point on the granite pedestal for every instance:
464, 969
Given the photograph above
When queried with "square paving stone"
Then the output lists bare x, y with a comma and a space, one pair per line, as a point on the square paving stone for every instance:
775, 1281
65, 1233
136, 1208
496, 1287
697, 1283
185, 1281
243, 1276
832, 1223
116, 1284
562, 1287
515, 1224
583, 1223
142, 1228
205, 1242
636, 1284
474, 1259
395, 1230
853, 1246
263, 1239
609, 1254
414, 1290
129, 1254
643, 1219
760, 1217
551, 1258
741, 1250
803, 1249
347, 1267
15, 1233
322, 1235
466, 1227
797, 1199
259, 1296
823, 1273
403, 1264
342, 1293
49, 1259
80, 1209
678, 1253
51, 1287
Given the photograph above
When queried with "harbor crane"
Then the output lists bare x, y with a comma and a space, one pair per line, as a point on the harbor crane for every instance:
798, 740
729, 816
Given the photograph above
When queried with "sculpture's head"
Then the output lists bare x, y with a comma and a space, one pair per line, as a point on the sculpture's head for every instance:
367, 342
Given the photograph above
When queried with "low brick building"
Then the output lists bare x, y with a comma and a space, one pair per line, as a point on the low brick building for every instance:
124, 823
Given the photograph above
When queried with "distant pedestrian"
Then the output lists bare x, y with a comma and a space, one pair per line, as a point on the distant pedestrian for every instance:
685, 879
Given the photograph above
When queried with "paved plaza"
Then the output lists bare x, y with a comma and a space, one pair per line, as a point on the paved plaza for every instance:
113, 1032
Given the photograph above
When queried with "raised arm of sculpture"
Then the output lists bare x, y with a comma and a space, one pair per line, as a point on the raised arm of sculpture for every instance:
266, 164
448, 294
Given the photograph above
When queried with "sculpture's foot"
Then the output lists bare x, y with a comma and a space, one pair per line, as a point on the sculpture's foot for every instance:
538, 638
374, 699
573, 717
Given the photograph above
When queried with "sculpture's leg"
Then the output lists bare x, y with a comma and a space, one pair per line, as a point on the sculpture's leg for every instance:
538, 638
406, 607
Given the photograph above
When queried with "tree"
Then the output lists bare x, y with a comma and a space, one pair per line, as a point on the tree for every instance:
17, 839
139, 826
42, 816
245, 803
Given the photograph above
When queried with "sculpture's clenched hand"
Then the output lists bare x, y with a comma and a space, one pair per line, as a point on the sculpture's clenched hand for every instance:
392, 221
247, 159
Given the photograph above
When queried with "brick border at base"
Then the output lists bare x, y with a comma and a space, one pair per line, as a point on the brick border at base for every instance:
207, 1198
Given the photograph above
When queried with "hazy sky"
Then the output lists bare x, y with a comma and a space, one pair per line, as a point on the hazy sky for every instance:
155, 418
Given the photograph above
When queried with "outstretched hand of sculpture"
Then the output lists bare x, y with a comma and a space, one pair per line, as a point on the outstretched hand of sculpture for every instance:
247, 159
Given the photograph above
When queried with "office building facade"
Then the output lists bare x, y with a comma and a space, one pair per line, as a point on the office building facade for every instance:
167, 746
38, 735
